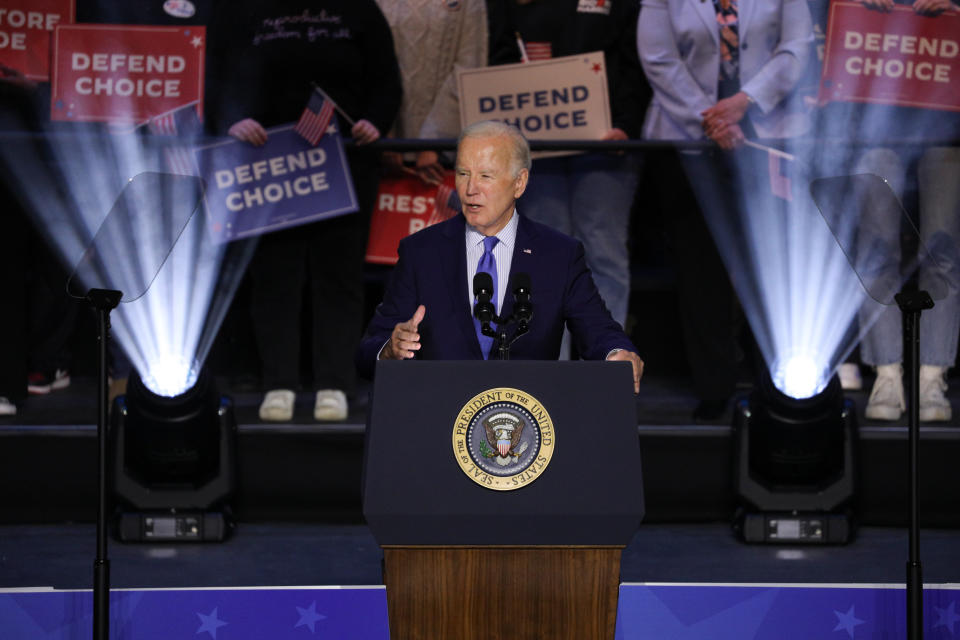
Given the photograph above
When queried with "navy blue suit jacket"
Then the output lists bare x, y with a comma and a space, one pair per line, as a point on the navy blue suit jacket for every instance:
432, 271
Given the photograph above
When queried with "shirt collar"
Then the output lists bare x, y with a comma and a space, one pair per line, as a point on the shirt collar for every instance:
507, 236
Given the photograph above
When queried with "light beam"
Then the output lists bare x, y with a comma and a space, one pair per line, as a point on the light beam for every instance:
69, 181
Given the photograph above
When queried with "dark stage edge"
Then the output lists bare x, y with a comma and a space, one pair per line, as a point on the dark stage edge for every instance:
662, 402
285, 554
304, 471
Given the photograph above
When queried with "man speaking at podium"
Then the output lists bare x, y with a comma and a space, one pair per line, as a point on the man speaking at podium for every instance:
450, 272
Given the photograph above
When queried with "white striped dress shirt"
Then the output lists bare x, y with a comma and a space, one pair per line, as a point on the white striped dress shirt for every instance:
502, 253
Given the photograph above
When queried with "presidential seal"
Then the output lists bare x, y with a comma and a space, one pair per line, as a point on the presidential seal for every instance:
503, 439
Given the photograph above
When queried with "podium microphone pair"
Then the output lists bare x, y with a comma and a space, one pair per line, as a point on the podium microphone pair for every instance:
485, 311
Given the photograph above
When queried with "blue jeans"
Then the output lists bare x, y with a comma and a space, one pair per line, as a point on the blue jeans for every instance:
589, 196
938, 182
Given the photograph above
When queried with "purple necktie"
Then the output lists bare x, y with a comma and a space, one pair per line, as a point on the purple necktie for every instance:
487, 264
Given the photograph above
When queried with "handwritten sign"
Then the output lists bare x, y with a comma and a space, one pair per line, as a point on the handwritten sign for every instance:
557, 99
122, 73
25, 29
898, 58
284, 183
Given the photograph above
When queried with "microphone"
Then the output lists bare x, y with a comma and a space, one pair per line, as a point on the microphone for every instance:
522, 307
484, 310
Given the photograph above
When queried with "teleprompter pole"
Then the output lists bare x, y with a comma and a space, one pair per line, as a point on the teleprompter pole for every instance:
911, 304
103, 301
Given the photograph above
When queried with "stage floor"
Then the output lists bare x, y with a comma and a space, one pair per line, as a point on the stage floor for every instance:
287, 554
293, 533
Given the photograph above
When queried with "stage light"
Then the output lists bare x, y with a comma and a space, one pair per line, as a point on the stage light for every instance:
175, 457
800, 375
795, 464
170, 375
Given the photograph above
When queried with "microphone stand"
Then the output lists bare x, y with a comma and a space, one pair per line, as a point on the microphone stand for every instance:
503, 349
485, 312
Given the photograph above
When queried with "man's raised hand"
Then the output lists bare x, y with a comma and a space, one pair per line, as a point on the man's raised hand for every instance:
405, 339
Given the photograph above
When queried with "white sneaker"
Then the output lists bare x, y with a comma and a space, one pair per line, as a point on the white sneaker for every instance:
277, 405
850, 379
331, 405
934, 406
61, 380
886, 399
7, 408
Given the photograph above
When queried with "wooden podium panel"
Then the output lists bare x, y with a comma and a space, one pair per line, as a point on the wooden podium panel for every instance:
502, 593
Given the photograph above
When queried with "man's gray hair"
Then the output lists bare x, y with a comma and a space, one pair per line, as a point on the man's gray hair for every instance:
493, 128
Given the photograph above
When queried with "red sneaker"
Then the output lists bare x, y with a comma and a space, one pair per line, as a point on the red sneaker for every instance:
38, 384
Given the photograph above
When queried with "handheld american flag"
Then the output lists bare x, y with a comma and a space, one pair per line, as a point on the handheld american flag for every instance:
315, 118
780, 169
182, 125
182, 121
446, 205
780, 166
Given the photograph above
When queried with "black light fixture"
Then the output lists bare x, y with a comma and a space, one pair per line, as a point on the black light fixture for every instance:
174, 463
795, 465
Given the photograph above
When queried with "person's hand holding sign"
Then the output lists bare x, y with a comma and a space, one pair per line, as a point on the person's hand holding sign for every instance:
364, 132
249, 130
933, 7
429, 168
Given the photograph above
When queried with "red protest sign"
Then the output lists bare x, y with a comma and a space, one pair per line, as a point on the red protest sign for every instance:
25, 29
900, 58
405, 205
123, 73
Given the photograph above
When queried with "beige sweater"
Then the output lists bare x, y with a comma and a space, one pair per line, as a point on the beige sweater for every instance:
432, 39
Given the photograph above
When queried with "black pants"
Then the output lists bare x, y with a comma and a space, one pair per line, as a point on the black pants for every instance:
328, 258
13, 284
52, 312
698, 186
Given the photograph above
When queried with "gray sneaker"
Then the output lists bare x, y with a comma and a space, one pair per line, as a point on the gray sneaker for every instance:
277, 405
886, 399
850, 378
331, 405
934, 406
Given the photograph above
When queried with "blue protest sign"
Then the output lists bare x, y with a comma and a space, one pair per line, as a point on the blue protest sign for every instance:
284, 183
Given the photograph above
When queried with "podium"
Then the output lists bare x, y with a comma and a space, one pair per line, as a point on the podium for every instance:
502, 494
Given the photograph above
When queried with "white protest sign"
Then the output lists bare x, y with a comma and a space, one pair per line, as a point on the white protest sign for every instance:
557, 99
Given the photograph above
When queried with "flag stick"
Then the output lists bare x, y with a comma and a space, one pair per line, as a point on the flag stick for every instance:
770, 150
346, 117
523, 49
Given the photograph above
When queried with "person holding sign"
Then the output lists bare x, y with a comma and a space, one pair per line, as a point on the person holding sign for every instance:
587, 195
937, 173
426, 311
722, 70
270, 55
433, 39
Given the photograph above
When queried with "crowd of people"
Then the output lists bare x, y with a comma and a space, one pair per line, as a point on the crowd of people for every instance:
720, 71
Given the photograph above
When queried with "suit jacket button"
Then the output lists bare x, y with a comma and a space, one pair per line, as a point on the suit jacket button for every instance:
744, 46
